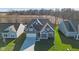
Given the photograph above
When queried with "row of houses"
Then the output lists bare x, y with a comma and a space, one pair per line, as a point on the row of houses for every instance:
39, 28
43, 29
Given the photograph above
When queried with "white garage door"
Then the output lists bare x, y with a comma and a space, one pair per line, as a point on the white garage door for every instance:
31, 35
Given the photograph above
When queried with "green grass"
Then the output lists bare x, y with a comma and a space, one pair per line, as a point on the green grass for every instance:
8, 46
19, 41
11, 44
59, 46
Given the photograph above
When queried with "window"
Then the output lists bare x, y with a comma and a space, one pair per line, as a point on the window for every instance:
44, 35
12, 36
5, 35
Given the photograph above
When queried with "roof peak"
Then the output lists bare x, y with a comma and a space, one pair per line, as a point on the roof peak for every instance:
39, 21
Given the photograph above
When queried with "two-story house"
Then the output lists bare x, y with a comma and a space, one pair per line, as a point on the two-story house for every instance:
40, 28
11, 30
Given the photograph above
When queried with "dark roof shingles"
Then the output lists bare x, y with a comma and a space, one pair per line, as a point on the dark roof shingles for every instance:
6, 25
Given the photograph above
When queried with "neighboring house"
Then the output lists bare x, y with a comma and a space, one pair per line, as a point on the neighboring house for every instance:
68, 28
40, 28
11, 30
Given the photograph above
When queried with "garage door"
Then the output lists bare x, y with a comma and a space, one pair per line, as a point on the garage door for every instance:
31, 35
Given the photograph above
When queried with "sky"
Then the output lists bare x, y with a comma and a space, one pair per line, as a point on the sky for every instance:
10, 9
15, 4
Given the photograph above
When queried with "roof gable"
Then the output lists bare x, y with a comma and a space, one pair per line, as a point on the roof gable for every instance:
10, 28
47, 28
38, 24
7, 26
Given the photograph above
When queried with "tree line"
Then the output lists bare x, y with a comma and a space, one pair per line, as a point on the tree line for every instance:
65, 13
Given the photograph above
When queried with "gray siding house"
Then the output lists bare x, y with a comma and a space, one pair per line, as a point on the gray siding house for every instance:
67, 28
11, 30
40, 28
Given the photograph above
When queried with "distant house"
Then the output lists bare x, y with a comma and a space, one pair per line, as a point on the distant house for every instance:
11, 30
68, 28
40, 28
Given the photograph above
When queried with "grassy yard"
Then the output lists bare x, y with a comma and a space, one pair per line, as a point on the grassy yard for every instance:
12, 44
59, 45
8, 46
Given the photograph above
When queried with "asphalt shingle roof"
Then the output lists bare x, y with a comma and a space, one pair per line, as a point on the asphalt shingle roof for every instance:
40, 25
3, 26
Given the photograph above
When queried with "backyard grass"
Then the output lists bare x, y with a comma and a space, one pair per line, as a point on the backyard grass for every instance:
9, 47
19, 41
59, 46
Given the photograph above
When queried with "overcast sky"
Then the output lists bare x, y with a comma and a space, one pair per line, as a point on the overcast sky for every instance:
10, 9
25, 4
